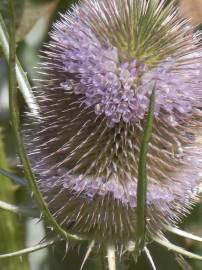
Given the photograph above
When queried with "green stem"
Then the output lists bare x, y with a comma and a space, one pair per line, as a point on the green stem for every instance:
11, 231
28, 250
179, 250
142, 177
111, 257
103, 264
20, 144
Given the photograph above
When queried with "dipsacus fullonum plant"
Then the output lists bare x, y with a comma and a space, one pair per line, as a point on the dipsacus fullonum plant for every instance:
97, 74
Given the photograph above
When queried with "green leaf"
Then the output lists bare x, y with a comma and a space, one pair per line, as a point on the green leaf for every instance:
142, 177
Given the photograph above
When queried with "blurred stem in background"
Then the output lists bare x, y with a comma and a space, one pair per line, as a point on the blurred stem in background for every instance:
11, 231
11, 228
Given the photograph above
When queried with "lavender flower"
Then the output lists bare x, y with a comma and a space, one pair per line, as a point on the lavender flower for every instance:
99, 69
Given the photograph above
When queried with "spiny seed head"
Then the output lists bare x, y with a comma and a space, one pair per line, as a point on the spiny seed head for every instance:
103, 61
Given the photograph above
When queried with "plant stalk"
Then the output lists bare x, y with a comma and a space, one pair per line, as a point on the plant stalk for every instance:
18, 136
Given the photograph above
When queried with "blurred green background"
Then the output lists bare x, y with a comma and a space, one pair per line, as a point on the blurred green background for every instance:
34, 19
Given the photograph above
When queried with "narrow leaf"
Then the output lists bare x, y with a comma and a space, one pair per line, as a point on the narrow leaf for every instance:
142, 177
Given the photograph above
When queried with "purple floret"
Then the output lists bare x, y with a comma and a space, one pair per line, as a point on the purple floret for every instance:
120, 89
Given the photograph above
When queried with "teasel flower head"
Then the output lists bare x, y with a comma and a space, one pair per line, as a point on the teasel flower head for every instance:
97, 74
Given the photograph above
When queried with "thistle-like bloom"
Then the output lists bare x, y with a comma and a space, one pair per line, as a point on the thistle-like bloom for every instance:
103, 61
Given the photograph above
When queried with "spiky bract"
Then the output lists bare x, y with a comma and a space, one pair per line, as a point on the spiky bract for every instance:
99, 69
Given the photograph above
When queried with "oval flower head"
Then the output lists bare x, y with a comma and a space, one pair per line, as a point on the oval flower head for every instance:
98, 72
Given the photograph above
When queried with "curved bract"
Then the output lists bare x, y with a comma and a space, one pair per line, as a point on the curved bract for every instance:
98, 72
